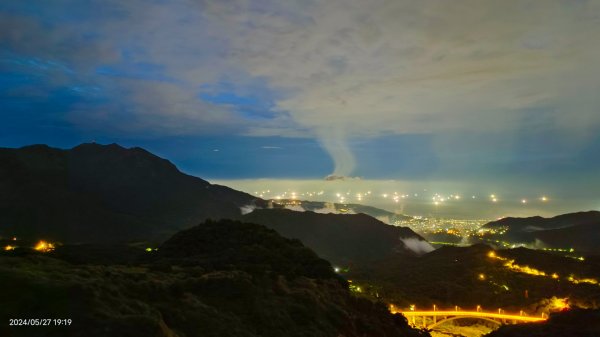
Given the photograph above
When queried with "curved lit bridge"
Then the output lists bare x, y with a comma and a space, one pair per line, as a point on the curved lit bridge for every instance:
431, 319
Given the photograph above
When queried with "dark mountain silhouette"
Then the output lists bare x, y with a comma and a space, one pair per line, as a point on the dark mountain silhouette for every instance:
536, 223
582, 238
580, 231
341, 238
223, 278
109, 194
104, 193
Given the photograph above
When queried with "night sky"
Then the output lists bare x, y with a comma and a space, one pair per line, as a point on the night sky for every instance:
490, 93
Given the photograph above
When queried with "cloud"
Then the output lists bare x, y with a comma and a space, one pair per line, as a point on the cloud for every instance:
247, 209
418, 246
336, 70
384, 219
533, 229
445, 68
326, 210
334, 177
465, 241
330, 208
336, 143
296, 208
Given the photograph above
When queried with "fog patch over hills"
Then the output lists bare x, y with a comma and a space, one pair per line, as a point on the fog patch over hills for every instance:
419, 194
247, 209
296, 208
418, 246
385, 219
333, 177
331, 209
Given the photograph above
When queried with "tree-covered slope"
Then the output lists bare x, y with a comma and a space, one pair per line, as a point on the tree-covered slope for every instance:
342, 238
221, 278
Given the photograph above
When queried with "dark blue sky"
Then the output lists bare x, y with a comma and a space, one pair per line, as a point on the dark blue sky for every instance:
393, 90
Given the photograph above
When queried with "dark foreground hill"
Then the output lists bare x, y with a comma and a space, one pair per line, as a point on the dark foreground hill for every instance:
342, 238
572, 323
218, 279
97, 193
580, 231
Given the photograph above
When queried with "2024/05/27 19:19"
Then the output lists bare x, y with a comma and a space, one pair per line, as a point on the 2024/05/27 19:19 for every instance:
39, 321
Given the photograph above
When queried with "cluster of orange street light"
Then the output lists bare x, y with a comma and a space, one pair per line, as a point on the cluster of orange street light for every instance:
41, 246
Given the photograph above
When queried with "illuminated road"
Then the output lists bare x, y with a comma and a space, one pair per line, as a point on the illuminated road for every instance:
472, 314
443, 316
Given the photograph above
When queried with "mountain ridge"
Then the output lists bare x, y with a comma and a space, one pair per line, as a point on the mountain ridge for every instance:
555, 222
96, 193
579, 231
